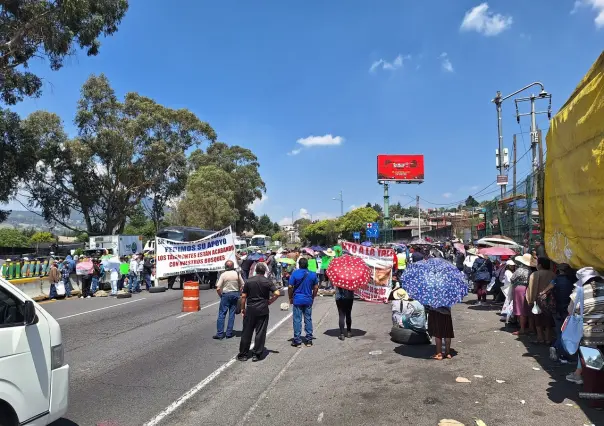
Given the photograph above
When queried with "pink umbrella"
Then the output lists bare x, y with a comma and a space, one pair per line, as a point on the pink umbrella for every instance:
497, 251
460, 247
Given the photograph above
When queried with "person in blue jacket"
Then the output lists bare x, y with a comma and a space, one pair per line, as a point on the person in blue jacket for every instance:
303, 287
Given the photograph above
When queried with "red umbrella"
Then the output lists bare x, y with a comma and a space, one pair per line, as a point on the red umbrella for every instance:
348, 272
497, 251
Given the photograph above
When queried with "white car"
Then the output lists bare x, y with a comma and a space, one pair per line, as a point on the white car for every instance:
34, 380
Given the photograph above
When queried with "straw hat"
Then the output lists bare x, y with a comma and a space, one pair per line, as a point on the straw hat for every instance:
400, 294
510, 262
525, 259
473, 251
329, 252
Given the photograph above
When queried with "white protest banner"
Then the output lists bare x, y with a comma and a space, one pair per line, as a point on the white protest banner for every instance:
208, 254
380, 261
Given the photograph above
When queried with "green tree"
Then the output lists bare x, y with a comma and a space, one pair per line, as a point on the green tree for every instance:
471, 202
301, 224
279, 236
243, 166
140, 224
209, 200
379, 209
265, 226
42, 237
124, 152
12, 238
322, 232
356, 220
49, 29
18, 153
82, 237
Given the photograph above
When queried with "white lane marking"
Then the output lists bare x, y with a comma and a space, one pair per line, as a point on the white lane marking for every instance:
200, 309
320, 418
273, 382
199, 386
101, 309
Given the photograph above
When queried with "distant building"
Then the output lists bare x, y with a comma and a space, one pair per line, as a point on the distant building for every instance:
292, 234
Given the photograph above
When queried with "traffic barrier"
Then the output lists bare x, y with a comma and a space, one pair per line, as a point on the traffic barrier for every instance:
39, 288
190, 297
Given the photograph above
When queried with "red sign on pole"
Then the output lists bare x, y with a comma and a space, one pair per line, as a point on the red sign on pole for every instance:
400, 168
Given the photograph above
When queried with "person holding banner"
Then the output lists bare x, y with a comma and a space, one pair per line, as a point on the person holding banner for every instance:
228, 287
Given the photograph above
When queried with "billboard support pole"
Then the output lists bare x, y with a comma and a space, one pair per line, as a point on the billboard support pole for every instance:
386, 210
419, 220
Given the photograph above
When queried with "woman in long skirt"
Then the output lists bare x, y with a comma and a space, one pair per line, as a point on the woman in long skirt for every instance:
440, 326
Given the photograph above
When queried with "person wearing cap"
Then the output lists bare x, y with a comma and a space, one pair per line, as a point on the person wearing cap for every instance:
561, 287
539, 281
590, 285
520, 281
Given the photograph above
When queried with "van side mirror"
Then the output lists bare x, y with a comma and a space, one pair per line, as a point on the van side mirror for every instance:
29, 312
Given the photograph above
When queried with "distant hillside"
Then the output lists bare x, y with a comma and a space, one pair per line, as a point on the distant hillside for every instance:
24, 219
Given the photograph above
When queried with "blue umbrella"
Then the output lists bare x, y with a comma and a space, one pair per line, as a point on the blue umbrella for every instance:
435, 282
254, 256
318, 248
366, 244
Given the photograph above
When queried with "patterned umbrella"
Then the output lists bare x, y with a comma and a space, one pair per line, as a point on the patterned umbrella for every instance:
435, 282
348, 272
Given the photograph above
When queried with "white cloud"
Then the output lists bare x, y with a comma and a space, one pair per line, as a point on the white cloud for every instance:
311, 141
446, 62
258, 203
303, 213
447, 195
482, 21
285, 221
475, 187
597, 5
397, 63
324, 140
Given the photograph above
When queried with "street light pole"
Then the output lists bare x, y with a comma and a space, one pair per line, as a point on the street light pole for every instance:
419, 219
341, 200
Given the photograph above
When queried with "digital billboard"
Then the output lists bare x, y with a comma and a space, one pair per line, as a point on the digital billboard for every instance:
400, 168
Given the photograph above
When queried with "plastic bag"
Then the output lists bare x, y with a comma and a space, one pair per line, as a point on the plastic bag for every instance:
60, 287
491, 284
572, 329
536, 309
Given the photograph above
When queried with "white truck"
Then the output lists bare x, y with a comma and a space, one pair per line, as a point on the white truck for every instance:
34, 379
118, 245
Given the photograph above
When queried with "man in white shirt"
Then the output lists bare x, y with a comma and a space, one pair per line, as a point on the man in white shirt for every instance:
228, 287
133, 285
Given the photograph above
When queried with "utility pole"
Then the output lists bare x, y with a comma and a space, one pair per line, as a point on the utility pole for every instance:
341, 200
537, 161
419, 219
498, 100
514, 190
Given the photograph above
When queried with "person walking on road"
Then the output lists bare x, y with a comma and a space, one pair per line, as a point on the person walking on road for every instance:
258, 293
482, 271
54, 276
228, 287
132, 275
344, 301
303, 287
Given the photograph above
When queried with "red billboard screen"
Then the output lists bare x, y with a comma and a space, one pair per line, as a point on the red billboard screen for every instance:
401, 168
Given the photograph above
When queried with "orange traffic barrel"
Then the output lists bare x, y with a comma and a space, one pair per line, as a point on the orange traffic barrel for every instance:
190, 297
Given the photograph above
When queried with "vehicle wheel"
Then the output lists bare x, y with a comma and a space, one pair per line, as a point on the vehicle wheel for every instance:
124, 295
7, 416
204, 286
157, 289
408, 337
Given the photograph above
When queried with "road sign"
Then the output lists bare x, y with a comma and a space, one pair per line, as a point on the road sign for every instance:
356, 235
373, 230
502, 180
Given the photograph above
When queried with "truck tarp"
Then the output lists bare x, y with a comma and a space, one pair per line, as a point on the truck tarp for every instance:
574, 176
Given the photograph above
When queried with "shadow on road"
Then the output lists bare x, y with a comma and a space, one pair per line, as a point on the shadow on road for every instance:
335, 332
560, 389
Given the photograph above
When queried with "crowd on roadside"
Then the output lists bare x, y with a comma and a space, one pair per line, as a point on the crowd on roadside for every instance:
90, 274
538, 296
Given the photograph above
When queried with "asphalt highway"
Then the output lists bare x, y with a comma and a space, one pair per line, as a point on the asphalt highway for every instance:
140, 361
131, 358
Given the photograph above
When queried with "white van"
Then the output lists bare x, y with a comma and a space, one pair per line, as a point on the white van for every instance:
34, 380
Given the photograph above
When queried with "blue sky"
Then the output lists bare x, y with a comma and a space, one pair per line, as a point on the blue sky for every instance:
318, 88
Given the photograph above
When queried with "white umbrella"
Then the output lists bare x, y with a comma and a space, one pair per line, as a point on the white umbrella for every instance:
497, 242
111, 263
